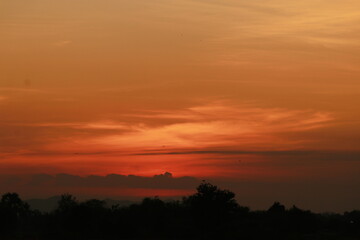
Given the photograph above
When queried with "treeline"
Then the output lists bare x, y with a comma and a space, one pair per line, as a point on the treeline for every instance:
210, 213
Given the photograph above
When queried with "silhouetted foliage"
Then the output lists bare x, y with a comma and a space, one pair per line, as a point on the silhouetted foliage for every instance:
277, 208
210, 213
14, 214
66, 203
211, 199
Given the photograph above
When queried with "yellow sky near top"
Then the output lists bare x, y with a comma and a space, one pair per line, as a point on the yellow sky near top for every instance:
93, 43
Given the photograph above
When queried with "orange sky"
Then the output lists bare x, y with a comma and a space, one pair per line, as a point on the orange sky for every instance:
263, 90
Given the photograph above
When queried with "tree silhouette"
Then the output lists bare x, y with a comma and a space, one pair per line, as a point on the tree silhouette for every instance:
277, 208
211, 198
66, 203
211, 208
13, 201
14, 213
210, 213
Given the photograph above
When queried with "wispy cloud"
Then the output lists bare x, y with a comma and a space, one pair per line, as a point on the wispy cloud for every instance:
221, 125
27, 90
215, 124
294, 32
218, 124
101, 125
218, 138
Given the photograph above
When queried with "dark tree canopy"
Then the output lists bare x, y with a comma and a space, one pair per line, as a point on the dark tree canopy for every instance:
210, 213
209, 197
277, 208
66, 202
13, 201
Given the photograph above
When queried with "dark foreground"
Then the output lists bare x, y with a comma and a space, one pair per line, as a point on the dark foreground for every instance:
211, 213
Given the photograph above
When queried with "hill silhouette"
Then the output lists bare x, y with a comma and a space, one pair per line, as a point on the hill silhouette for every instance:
210, 213
51, 203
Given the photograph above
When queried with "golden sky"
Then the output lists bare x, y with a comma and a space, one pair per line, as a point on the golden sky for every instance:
265, 90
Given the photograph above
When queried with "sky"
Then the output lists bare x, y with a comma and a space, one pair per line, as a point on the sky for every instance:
124, 98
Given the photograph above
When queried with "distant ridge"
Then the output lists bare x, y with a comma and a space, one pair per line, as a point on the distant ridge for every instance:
50, 204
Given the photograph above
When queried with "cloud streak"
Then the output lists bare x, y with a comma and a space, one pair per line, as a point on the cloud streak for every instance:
219, 125
202, 140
